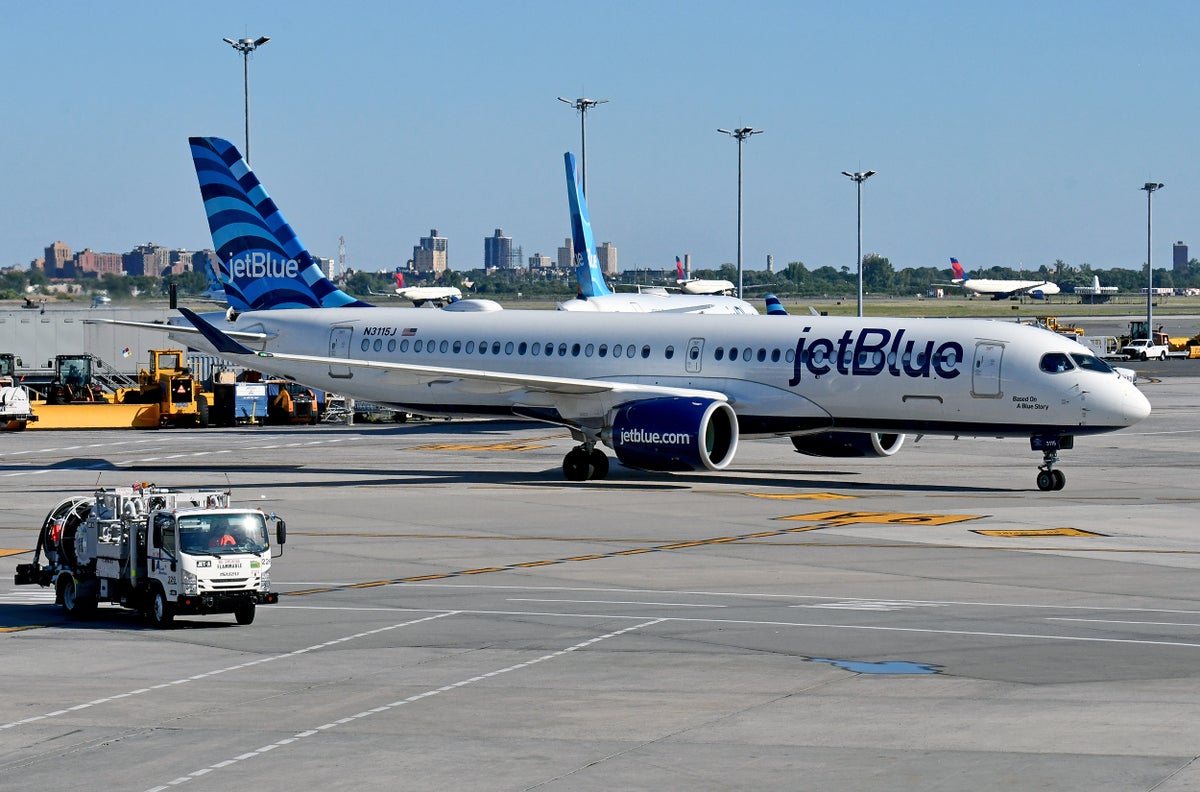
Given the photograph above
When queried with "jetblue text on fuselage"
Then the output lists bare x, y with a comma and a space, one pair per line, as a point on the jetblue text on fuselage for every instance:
258, 264
875, 351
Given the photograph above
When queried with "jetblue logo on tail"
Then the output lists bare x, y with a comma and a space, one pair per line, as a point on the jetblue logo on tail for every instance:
587, 264
268, 265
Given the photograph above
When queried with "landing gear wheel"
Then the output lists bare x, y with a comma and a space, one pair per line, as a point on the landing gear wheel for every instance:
244, 613
1045, 480
599, 463
1060, 479
75, 605
162, 613
576, 465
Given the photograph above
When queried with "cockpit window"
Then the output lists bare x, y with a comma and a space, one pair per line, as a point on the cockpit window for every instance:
1054, 362
1090, 363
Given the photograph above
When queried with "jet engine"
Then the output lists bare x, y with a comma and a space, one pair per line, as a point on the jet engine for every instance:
674, 434
848, 444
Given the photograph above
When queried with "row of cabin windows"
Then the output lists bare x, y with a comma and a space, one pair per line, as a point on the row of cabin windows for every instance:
562, 349
550, 349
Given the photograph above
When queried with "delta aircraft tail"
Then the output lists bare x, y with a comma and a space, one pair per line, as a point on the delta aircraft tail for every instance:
266, 264
959, 272
587, 263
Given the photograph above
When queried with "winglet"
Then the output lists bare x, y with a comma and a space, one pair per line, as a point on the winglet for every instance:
587, 263
219, 340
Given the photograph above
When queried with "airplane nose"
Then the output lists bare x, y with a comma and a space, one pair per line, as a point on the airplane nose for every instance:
1135, 406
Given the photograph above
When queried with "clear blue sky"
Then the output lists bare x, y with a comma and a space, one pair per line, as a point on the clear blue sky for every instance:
1004, 134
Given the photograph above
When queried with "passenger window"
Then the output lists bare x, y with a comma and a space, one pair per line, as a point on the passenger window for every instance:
537, 348
790, 356
629, 351
404, 345
378, 344
562, 350
391, 345
733, 353
495, 347
508, 348
418, 345
603, 350
470, 347
669, 353
762, 354
718, 353
445, 345
457, 347
366, 344
645, 351
589, 350
775, 355
483, 347
575, 350
746, 354
521, 348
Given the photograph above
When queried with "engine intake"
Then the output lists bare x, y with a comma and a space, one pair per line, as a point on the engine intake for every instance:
848, 444
674, 434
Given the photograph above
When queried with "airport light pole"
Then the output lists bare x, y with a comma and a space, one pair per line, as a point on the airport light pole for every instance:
583, 104
1149, 187
246, 46
858, 178
740, 134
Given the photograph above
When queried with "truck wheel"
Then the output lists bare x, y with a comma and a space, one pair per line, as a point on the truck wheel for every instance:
162, 613
244, 613
75, 605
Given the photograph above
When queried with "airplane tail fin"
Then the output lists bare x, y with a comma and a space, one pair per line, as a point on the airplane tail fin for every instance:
268, 266
212, 274
679, 274
774, 306
959, 272
587, 263
399, 278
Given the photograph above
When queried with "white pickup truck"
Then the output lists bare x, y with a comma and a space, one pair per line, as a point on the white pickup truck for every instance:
1145, 349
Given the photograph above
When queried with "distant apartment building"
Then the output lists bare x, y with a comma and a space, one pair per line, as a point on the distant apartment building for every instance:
88, 262
607, 253
566, 255
1180, 257
497, 251
431, 255
539, 262
148, 259
58, 261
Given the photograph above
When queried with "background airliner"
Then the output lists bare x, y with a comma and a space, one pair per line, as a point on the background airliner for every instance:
420, 295
594, 294
667, 392
999, 289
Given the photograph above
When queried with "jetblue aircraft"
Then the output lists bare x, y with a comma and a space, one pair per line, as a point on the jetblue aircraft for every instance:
594, 294
671, 392
1000, 289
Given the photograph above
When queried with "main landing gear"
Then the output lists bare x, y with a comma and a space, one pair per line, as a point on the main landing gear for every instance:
585, 462
1048, 478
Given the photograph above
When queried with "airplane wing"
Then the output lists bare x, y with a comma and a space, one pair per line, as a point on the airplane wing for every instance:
162, 327
574, 400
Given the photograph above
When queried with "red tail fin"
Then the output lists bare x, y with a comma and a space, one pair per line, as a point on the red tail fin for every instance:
678, 268
399, 279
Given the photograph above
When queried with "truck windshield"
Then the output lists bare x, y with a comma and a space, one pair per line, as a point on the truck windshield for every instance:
223, 534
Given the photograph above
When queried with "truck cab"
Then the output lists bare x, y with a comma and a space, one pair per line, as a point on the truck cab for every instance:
210, 561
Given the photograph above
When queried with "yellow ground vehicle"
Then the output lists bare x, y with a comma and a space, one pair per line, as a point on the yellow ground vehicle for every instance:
169, 383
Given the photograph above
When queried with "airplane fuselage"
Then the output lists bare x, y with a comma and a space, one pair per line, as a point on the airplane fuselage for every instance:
782, 375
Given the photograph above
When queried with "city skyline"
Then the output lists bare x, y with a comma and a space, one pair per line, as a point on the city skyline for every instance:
1001, 135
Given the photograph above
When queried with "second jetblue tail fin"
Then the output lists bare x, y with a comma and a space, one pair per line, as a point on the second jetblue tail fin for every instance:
959, 272
774, 306
587, 263
267, 265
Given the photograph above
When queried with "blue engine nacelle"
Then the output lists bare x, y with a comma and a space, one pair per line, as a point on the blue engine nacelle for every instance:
848, 444
674, 434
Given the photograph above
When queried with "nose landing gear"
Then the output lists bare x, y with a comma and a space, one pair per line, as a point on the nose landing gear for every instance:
1048, 478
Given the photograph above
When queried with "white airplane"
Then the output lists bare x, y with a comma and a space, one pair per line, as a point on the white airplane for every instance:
701, 285
594, 294
1000, 289
671, 392
1096, 292
420, 295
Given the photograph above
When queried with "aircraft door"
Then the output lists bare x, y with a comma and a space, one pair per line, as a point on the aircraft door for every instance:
339, 347
985, 373
694, 357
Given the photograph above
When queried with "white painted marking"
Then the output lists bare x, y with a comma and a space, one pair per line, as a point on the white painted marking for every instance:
410, 699
227, 669
617, 602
